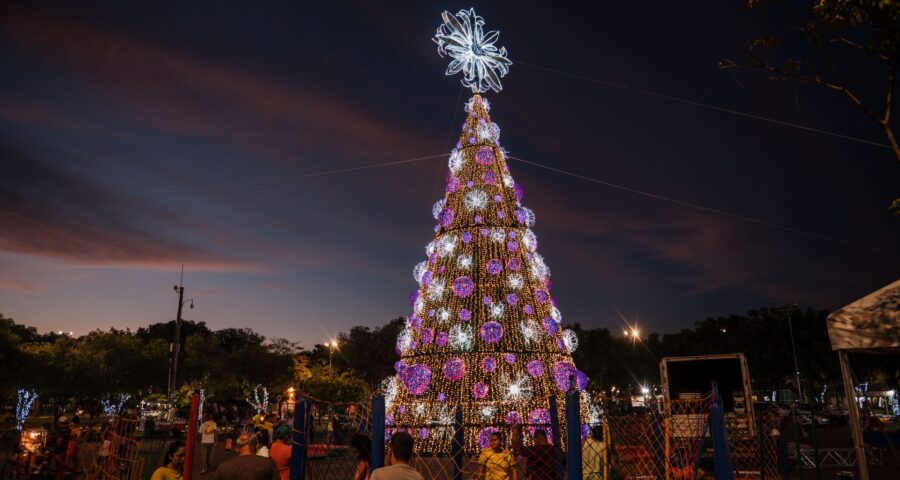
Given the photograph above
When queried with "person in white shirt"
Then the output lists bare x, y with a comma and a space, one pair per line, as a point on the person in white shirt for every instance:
593, 456
207, 441
398, 460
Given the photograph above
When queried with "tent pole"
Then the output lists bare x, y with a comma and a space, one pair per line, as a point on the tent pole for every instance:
853, 408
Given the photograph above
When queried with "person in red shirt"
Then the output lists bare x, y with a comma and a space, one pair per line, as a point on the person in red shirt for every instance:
280, 453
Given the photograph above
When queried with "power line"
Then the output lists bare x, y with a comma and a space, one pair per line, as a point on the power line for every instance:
5, 212
701, 207
704, 105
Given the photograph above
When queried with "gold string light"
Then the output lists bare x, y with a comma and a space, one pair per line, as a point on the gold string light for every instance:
484, 333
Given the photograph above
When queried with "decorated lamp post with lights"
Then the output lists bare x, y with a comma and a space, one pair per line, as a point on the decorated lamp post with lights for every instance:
484, 333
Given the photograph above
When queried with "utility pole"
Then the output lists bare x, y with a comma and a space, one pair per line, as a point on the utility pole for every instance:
788, 310
175, 346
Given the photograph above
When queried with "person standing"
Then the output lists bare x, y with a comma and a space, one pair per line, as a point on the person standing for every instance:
247, 465
207, 442
174, 462
497, 463
593, 455
362, 444
540, 458
401, 450
280, 452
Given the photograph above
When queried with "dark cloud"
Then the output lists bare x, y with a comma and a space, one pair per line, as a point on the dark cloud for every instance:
48, 211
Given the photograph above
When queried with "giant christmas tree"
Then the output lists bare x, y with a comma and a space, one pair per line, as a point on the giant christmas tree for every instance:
485, 333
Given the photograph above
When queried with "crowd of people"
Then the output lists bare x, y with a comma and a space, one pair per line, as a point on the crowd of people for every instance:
261, 450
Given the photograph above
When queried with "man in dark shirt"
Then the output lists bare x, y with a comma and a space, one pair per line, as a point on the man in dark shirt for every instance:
247, 465
540, 458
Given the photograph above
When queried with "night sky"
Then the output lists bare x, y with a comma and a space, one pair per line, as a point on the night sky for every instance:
135, 138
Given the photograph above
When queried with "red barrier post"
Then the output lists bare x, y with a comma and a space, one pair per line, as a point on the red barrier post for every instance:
188, 471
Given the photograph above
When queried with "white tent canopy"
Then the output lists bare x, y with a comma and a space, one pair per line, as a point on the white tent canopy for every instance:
870, 323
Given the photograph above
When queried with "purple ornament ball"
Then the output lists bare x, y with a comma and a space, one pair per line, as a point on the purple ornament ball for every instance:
454, 369
479, 390
463, 287
535, 368
494, 266
484, 156
417, 378
491, 332
488, 364
446, 217
550, 326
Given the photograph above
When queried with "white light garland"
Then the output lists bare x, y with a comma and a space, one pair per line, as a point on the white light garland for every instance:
420, 409
200, 410
404, 339
389, 388
443, 415
23, 406
507, 180
539, 269
429, 249
475, 199
529, 240
111, 408
259, 402
436, 289
570, 339
419, 271
461, 337
464, 262
517, 387
555, 314
488, 132
515, 281
498, 235
530, 331
446, 245
443, 314
419, 306
457, 160
437, 207
470, 104
594, 411
462, 37
529, 217
497, 310
487, 412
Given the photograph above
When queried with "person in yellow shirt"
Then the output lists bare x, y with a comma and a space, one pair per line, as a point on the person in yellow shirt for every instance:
497, 463
171, 470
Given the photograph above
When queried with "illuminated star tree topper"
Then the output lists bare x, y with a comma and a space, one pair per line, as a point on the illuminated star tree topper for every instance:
462, 37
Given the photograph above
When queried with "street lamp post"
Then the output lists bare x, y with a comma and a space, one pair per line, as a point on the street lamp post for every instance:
788, 310
331, 346
175, 346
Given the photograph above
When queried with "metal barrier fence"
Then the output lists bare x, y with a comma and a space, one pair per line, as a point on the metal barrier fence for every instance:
331, 440
125, 459
674, 440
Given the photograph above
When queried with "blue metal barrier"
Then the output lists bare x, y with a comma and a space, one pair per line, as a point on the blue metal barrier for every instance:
377, 451
300, 440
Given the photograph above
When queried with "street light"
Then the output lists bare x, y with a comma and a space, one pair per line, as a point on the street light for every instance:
788, 309
332, 346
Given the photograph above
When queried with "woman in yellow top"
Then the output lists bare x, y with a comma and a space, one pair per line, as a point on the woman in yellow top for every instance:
171, 470
497, 463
